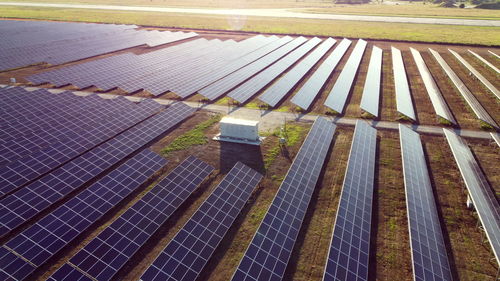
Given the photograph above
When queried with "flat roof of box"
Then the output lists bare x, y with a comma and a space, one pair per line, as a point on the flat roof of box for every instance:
237, 121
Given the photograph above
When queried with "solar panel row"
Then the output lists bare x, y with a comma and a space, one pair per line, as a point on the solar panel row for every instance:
306, 94
404, 103
227, 83
252, 86
190, 249
476, 73
22, 205
267, 255
277, 91
350, 245
438, 102
338, 95
483, 60
471, 100
106, 254
41, 241
429, 256
370, 99
495, 55
485, 202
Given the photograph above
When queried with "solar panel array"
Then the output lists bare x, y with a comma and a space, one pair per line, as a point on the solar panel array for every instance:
338, 95
483, 60
496, 138
191, 248
437, 100
22, 205
350, 245
371, 92
25, 43
267, 256
106, 254
471, 100
217, 89
429, 256
277, 91
248, 89
404, 103
476, 73
30, 249
495, 55
312, 87
480, 192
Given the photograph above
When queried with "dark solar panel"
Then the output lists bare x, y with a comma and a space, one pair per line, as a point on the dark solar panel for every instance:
350, 245
430, 261
338, 95
25, 203
132, 229
480, 191
311, 88
191, 248
267, 256
49, 235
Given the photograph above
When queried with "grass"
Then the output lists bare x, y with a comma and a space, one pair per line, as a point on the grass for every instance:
294, 133
196, 136
354, 29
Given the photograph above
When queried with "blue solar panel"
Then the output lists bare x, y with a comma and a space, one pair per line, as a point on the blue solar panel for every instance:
267, 256
45, 238
131, 230
191, 248
22, 205
349, 248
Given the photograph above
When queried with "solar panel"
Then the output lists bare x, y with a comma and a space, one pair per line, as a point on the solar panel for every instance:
338, 95
25, 203
404, 103
311, 88
371, 90
134, 227
44, 239
267, 256
497, 56
350, 245
248, 89
190, 249
227, 83
429, 257
485, 61
277, 91
438, 102
484, 200
471, 100
496, 138
477, 74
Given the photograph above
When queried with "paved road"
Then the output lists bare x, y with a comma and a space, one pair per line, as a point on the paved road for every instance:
269, 120
281, 13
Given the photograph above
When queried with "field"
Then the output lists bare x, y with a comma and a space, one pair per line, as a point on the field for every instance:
477, 35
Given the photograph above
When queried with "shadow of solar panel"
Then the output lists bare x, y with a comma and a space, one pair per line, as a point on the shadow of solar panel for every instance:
25, 203
350, 245
267, 256
131, 230
277, 91
245, 91
429, 257
476, 73
484, 200
471, 100
191, 248
308, 92
404, 103
435, 95
45, 238
371, 91
338, 95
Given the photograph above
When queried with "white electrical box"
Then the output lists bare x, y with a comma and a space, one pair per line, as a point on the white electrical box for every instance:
239, 130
